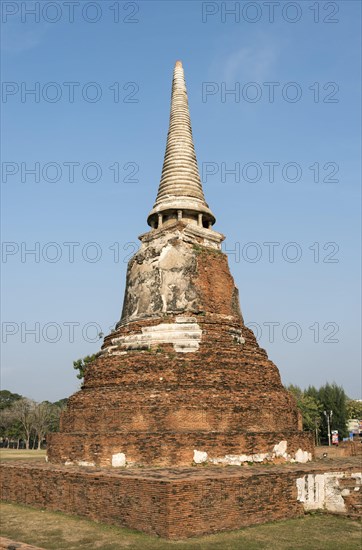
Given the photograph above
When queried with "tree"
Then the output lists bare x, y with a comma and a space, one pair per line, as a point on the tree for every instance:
62, 403
82, 364
10, 428
310, 408
22, 418
334, 398
7, 398
23, 410
41, 421
295, 390
312, 403
313, 392
55, 411
354, 409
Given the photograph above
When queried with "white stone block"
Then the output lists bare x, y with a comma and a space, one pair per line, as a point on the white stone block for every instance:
280, 449
301, 489
302, 456
119, 460
237, 460
200, 457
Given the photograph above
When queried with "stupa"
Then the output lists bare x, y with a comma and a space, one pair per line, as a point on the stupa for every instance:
181, 380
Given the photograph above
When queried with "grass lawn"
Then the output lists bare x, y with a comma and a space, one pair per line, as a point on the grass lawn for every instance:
57, 531
19, 454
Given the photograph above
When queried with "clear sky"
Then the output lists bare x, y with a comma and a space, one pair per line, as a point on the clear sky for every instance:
95, 130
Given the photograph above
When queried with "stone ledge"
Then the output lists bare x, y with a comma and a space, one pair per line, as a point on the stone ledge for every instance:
191, 231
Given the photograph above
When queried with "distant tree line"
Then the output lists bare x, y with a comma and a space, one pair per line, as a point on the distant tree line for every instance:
312, 403
24, 422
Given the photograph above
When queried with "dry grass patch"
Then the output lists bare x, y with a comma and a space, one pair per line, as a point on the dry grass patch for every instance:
57, 531
21, 454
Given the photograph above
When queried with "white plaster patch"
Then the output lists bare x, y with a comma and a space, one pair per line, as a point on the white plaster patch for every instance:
200, 457
237, 460
165, 252
323, 491
280, 449
302, 456
185, 335
164, 302
160, 277
118, 460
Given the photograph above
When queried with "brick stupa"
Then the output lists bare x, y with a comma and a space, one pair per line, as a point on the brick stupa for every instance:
181, 380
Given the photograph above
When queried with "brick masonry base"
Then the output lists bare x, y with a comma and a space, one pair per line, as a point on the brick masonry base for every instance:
171, 503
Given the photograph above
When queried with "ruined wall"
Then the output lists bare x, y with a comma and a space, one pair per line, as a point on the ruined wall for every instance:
329, 491
157, 406
177, 448
180, 372
173, 503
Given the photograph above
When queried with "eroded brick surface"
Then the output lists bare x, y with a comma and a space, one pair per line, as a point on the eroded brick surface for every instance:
181, 372
172, 503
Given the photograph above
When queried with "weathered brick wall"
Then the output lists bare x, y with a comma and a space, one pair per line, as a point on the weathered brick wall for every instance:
174, 503
219, 387
168, 449
173, 272
148, 402
352, 496
157, 404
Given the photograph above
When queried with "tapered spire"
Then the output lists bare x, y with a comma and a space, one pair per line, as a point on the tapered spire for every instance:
180, 193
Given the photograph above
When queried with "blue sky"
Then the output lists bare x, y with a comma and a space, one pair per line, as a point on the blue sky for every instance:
128, 66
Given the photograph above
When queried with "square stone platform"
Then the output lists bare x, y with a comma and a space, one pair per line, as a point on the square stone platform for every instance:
185, 502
